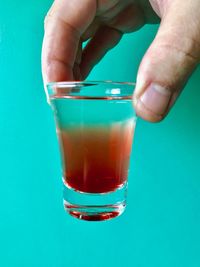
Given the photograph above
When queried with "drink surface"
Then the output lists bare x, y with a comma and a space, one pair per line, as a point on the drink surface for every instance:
95, 139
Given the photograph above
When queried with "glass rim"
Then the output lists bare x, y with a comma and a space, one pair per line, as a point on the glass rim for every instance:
108, 90
66, 84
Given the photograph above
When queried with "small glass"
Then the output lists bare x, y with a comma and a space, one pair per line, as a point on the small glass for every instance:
95, 124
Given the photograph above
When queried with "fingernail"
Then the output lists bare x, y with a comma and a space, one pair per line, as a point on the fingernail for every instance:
156, 98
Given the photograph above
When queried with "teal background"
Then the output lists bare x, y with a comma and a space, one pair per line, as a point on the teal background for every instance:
160, 227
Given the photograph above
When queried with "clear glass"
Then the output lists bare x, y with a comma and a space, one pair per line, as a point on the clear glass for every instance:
95, 124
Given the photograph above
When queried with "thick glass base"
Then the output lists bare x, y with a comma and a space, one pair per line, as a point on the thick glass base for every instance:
94, 207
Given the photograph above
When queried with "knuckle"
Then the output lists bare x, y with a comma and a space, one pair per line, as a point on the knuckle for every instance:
188, 50
50, 15
183, 46
46, 20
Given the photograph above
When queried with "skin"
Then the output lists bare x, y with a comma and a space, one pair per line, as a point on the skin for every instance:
165, 68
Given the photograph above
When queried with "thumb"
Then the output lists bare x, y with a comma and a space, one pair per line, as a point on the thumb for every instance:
169, 62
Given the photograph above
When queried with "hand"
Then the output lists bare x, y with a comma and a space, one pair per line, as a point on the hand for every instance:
166, 66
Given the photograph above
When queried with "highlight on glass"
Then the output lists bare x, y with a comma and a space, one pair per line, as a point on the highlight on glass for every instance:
95, 124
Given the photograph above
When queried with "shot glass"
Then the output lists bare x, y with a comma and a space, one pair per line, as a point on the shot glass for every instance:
95, 124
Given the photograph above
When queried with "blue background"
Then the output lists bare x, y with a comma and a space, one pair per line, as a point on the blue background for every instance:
161, 224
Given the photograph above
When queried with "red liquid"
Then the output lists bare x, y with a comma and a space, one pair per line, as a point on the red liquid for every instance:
98, 217
96, 159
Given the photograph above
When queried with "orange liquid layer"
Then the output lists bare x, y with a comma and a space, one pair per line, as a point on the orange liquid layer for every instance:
96, 159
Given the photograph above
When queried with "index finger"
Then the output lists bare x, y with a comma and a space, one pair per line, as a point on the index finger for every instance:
64, 24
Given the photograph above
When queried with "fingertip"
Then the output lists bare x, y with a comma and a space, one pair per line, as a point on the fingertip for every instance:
143, 112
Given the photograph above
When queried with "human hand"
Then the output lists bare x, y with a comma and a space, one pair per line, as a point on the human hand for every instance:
166, 66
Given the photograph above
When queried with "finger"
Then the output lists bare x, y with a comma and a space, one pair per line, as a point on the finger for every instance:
105, 39
169, 62
64, 24
129, 19
76, 69
91, 30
